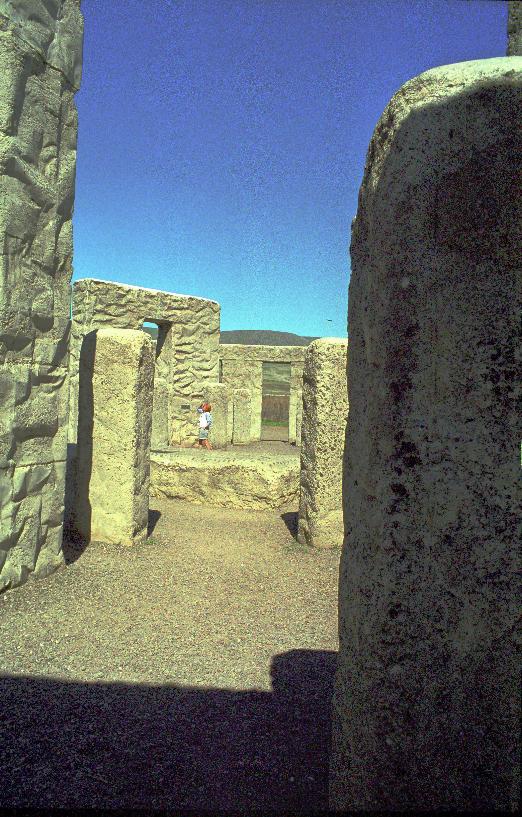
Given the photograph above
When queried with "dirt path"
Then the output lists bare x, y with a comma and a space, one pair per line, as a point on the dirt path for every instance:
192, 672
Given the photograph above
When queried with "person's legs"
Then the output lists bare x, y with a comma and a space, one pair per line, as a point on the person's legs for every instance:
203, 439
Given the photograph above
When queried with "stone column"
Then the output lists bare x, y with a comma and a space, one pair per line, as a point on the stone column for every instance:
40, 70
325, 410
230, 415
217, 396
296, 403
242, 416
427, 692
114, 434
256, 396
514, 48
294, 398
299, 419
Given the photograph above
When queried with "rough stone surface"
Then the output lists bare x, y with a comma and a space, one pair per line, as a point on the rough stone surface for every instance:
299, 420
186, 351
114, 433
242, 416
40, 66
514, 48
427, 699
226, 479
242, 368
218, 394
325, 411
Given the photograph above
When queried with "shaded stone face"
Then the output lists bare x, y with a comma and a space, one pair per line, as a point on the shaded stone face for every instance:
427, 694
40, 68
514, 48
186, 349
114, 432
325, 410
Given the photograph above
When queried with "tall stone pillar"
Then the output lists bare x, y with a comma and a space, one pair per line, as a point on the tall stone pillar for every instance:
514, 48
295, 397
114, 435
325, 410
40, 70
217, 395
427, 692
299, 419
242, 416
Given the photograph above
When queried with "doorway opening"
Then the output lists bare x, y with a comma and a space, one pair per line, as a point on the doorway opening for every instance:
275, 407
160, 333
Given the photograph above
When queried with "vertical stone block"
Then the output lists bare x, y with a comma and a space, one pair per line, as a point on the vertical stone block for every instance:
514, 48
230, 416
242, 416
296, 393
325, 410
114, 434
299, 419
217, 395
40, 68
427, 694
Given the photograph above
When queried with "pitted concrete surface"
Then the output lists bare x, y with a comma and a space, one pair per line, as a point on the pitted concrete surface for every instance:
240, 477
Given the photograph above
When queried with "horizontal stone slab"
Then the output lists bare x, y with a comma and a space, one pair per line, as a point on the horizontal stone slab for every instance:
226, 479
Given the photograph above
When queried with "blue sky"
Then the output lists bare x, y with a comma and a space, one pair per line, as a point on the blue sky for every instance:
222, 144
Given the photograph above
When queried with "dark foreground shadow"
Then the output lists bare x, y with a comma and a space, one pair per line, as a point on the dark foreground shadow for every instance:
154, 517
117, 745
290, 520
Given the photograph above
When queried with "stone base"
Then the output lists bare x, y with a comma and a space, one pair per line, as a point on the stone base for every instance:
323, 530
226, 479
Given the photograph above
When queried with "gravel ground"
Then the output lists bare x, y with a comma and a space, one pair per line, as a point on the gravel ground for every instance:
194, 671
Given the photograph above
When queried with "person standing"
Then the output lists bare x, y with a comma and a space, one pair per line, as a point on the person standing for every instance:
205, 422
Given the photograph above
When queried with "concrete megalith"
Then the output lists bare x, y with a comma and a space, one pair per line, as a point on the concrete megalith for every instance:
114, 433
325, 410
40, 70
217, 395
514, 48
427, 694
242, 416
186, 348
299, 420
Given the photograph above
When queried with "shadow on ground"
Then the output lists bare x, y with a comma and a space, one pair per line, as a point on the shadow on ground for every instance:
74, 545
290, 520
154, 517
68, 744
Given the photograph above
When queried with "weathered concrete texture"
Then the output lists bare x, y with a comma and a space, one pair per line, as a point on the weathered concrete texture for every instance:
226, 479
186, 351
217, 394
299, 420
325, 411
426, 704
242, 368
514, 48
242, 416
40, 66
114, 433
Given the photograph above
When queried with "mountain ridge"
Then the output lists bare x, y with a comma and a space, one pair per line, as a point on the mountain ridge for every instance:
264, 337
253, 337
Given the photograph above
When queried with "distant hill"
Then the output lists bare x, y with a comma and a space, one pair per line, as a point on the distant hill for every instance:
253, 337
264, 337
